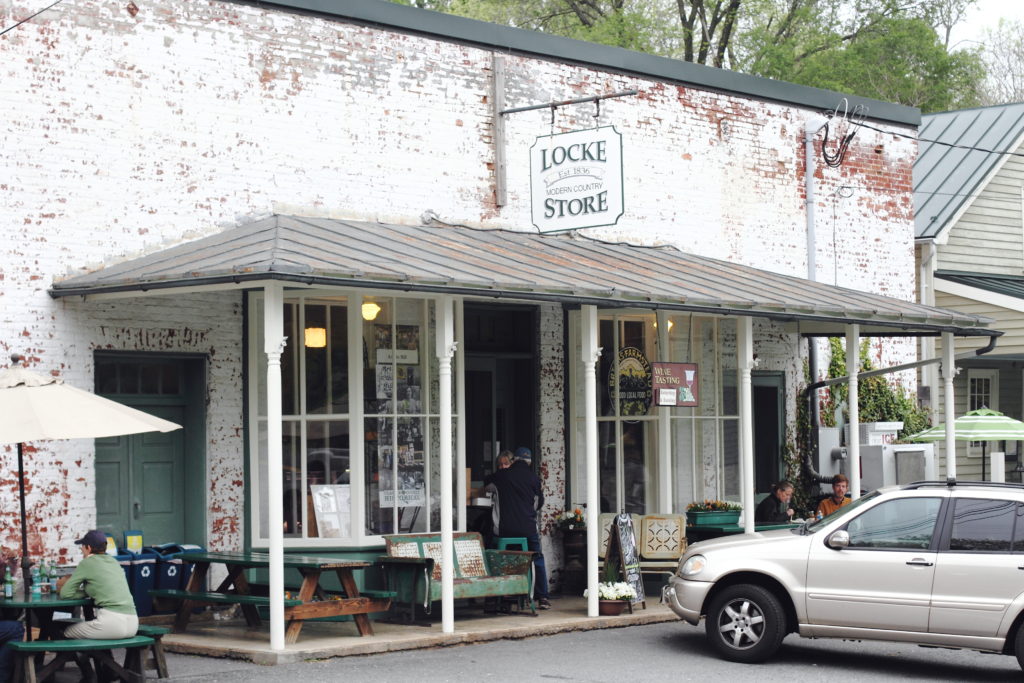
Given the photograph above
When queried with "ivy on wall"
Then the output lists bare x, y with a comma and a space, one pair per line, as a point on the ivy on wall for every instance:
877, 400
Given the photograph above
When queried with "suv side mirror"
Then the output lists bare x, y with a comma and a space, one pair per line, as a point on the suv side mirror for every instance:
839, 540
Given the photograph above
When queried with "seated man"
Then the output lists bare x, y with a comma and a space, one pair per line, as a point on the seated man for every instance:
838, 498
101, 578
775, 509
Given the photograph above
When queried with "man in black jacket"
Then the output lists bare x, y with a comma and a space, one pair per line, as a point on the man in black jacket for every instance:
519, 498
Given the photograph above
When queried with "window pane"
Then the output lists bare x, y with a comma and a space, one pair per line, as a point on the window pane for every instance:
315, 349
291, 467
149, 378
982, 525
289, 363
327, 476
337, 343
902, 524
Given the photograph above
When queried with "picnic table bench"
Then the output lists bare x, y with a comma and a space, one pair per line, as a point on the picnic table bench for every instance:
412, 567
80, 652
312, 601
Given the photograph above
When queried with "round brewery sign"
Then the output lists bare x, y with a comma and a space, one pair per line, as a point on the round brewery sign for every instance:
634, 374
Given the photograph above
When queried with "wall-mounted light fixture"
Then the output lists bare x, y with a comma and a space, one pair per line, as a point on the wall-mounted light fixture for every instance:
670, 324
316, 337
370, 310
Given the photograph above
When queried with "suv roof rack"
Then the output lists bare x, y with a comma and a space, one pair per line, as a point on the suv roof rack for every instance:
951, 483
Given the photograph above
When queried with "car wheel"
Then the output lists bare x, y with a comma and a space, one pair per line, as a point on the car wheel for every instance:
745, 623
1018, 645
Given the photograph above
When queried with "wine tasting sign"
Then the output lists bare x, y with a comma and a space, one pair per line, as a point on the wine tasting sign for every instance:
576, 179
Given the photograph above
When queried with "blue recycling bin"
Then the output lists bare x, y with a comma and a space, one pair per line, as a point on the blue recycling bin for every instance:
143, 578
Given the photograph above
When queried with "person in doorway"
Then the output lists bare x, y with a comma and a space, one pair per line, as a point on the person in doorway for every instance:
489, 531
775, 509
840, 484
100, 577
519, 499
10, 631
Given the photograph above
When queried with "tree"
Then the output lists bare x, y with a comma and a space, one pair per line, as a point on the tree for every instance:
1004, 61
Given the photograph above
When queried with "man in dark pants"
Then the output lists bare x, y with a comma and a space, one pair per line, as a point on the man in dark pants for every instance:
519, 498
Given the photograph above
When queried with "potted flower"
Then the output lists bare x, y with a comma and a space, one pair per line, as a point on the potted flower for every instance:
572, 520
712, 512
613, 597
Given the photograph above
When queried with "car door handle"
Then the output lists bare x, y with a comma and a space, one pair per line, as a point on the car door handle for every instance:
920, 563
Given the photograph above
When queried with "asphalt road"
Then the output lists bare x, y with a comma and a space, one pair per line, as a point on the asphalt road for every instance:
660, 652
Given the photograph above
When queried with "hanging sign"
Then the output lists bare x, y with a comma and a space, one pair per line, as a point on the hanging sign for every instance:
629, 382
576, 179
675, 384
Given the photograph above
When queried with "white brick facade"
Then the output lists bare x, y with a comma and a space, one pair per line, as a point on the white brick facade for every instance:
130, 128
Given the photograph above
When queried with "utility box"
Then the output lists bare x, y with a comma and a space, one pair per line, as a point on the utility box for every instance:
874, 433
829, 442
894, 464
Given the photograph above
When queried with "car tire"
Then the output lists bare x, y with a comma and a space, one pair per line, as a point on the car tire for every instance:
1018, 645
745, 623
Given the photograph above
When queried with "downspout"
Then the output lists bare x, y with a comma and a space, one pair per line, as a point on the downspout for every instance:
811, 128
809, 394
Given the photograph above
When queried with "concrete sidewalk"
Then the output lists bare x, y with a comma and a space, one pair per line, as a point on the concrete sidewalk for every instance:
322, 640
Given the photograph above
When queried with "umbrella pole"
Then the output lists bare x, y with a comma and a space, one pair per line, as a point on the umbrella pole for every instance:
983, 444
26, 573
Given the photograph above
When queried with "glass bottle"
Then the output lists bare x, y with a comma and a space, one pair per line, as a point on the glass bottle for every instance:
8, 584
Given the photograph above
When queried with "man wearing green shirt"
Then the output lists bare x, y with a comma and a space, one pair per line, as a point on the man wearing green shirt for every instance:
100, 577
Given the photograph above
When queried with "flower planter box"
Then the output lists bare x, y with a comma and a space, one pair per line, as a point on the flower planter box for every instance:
712, 518
611, 608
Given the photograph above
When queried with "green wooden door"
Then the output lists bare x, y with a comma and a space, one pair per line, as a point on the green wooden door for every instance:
140, 481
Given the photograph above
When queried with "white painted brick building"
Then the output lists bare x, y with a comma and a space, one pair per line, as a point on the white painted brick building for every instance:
132, 128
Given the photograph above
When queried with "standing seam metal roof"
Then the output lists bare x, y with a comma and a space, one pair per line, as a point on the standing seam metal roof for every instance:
499, 263
946, 178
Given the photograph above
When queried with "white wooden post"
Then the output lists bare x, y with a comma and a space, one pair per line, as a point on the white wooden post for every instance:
664, 427
590, 352
273, 345
745, 351
948, 373
853, 443
445, 350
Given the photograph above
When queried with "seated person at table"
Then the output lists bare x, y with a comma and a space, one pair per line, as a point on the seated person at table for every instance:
101, 578
9, 631
838, 498
775, 508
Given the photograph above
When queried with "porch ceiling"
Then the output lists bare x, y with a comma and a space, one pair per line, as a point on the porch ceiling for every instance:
567, 268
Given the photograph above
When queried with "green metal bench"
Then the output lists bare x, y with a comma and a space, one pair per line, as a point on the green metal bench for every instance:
412, 568
80, 652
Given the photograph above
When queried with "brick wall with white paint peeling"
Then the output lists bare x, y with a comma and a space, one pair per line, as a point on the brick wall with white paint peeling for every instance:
131, 128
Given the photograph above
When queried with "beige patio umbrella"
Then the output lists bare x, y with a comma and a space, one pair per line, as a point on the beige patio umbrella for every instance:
35, 406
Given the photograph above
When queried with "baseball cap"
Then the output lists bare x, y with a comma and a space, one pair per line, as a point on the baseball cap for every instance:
523, 453
93, 538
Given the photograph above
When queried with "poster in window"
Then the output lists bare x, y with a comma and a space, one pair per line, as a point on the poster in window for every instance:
401, 467
675, 384
331, 506
629, 382
405, 348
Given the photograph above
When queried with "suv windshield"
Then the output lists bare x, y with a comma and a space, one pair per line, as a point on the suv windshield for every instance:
813, 526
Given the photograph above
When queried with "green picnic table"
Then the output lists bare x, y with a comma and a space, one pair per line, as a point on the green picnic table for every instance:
703, 532
39, 610
310, 603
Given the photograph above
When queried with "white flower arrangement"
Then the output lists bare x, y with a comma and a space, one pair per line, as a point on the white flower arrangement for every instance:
606, 590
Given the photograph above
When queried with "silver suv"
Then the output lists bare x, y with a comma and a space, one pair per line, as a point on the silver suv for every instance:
933, 563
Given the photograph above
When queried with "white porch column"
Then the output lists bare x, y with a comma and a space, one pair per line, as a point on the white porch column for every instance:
745, 360
664, 427
853, 443
948, 373
590, 352
273, 345
445, 329
460, 420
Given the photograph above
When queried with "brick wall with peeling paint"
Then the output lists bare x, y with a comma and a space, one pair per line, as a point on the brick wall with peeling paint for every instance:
130, 128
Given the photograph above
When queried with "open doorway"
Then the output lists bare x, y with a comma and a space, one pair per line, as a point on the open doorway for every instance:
769, 389
501, 383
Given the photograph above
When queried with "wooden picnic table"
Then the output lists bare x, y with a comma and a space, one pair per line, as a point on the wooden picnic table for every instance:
311, 602
39, 610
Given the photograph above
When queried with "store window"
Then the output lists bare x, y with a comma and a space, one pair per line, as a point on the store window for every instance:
400, 394
704, 445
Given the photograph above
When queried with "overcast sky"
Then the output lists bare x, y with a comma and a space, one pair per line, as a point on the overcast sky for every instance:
986, 14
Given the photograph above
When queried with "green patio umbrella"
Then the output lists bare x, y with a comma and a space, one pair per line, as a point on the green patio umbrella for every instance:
983, 424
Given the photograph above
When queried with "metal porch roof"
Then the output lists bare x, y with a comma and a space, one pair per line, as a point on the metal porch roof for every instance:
501, 263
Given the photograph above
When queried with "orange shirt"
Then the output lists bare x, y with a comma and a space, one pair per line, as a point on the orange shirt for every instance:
828, 506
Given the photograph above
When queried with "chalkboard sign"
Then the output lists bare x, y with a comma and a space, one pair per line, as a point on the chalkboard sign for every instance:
621, 559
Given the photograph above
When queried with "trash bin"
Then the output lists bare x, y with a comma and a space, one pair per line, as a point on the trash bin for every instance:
171, 572
143, 578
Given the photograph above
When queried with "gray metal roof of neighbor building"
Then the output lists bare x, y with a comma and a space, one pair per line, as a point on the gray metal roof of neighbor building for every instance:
565, 268
946, 177
506, 39
1007, 285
